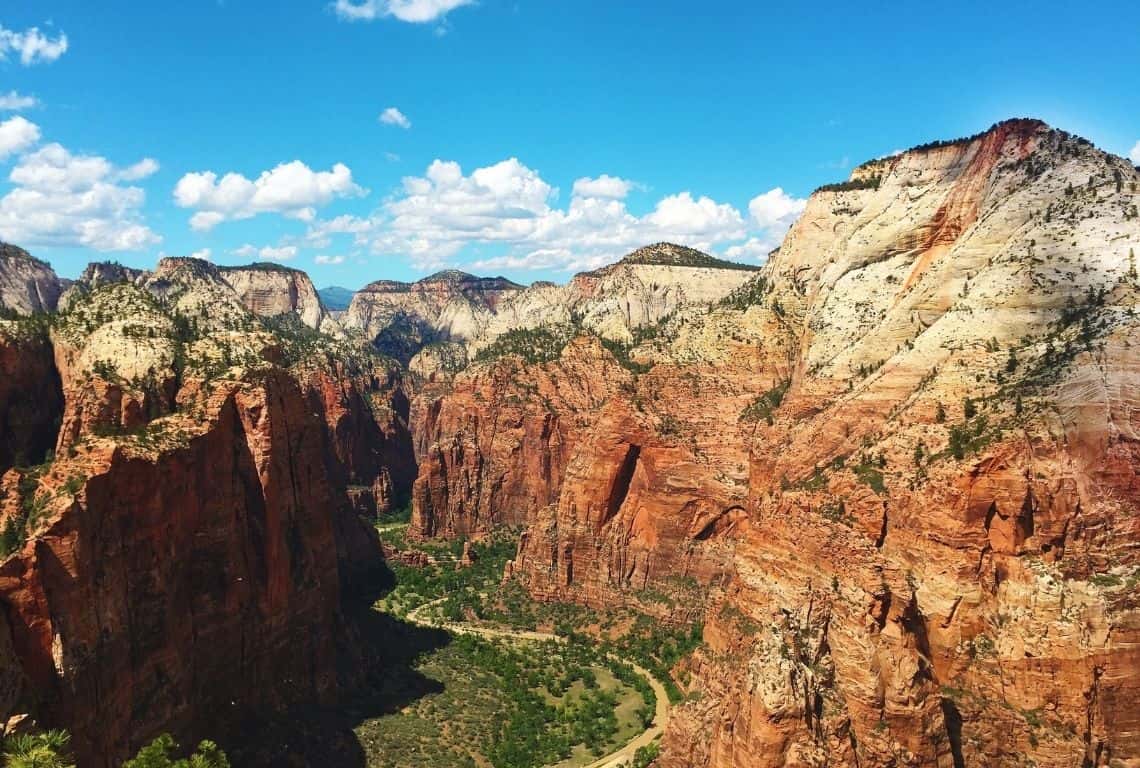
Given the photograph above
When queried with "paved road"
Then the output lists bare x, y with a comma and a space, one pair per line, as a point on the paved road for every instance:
617, 758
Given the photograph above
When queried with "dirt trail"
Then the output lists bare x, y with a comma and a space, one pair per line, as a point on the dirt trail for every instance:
619, 757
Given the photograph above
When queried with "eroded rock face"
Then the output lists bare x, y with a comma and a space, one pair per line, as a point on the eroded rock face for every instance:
31, 398
189, 550
270, 290
898, 465
402, 318
494, 449
424, 322
27, 285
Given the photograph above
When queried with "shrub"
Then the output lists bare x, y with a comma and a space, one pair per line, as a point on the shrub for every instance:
533, 345
157, 754
50, 749
869, 182
763, 406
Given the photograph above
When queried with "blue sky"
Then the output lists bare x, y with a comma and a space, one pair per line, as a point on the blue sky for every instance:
526, 137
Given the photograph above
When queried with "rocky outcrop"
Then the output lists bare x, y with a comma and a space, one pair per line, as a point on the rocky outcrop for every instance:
494, 449
895, 471
402, 318
31, 398
271, 290
27, 285
187, 555
944, 473
424, 322
618, 301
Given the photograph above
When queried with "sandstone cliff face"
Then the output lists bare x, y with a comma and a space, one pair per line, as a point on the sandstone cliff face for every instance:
615, 301
189, 549
927, 593
401, 318
27, 285
31, 399
899, 465
494, 449
270, 290
419, 322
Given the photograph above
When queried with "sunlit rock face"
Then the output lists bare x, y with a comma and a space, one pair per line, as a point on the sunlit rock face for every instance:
894, 473
27, 285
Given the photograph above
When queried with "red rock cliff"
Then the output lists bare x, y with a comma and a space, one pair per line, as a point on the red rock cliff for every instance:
900, 465
189, 550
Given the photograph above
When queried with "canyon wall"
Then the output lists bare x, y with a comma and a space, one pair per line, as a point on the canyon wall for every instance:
271, 290
895, 471
184, 560
27, 285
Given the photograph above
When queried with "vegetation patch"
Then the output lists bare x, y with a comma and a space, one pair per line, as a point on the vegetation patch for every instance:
765, 405
533, 345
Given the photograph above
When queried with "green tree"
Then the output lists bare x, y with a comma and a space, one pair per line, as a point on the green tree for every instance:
50, 749
157, 754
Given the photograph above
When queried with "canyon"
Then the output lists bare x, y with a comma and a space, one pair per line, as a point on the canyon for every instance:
891, 473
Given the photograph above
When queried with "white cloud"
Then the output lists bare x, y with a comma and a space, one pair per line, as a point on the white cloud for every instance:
604, 186
140, 170
415, 11
16, 135
284, 253
290, 189
266, 253
1134, 155
391, 157
31, 45
14, 102
61, 199
755, 249
204, 254
508, 208
775, 209
773, 213
323, 259
393, 116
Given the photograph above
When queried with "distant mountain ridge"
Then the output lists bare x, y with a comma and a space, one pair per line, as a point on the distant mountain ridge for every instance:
336, 298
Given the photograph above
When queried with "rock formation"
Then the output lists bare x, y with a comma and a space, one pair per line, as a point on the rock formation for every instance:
893, 473
897, 466
27, 285
271, 290
442, 321
401, 318
31, 398
183, 561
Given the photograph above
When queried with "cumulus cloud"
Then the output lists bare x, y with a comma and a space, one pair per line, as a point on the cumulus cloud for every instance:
324, 259
63, 199
31, 45
1134, 155
13, 101
16, 135
509, 209
755, 249
267, 253
604, 186
393, 116
204, 254
291, 189
775, 209
414, 11
140, 170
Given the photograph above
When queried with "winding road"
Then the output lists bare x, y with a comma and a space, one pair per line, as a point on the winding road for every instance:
620, 757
